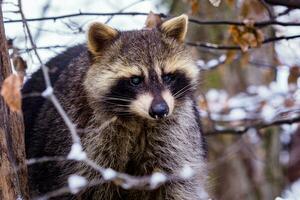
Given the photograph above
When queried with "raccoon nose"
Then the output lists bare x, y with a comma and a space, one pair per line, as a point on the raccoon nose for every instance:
159, 109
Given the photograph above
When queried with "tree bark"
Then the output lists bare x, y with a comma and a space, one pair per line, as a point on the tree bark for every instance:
13, 170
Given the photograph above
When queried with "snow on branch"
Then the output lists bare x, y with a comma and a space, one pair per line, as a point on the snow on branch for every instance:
259, 107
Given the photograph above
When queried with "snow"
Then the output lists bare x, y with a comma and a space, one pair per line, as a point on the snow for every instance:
292, 192
284, 157
282, 76
216, 99
277, 101
19, 197
268, 113
77, 153
237, 114
252, 89
212, 95
76, 183
109, 174
212, 63
48, 92
156, 179
125, 186
186, 172
263, 91
215, 3
253, 135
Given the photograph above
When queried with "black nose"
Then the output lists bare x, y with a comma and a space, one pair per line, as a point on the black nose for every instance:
159, 109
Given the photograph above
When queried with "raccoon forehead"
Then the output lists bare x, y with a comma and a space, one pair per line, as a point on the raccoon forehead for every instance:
121, 70
181, 63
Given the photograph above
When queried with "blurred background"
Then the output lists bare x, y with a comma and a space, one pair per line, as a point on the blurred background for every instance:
249, 96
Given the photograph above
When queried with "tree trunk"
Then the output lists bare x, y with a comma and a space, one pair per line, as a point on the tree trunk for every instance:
13, 170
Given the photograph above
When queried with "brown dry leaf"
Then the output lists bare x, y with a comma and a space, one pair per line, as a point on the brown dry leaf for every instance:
246, 37
249, 39
236, 34
152, 21
19, 64
259, 37
11, 91
294, 74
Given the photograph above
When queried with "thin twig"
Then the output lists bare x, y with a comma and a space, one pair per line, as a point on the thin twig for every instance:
49, 89
228, 47
191, 19
259, 125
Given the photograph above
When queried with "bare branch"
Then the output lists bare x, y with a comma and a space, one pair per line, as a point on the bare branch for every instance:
259, 125
227, 47
193, 20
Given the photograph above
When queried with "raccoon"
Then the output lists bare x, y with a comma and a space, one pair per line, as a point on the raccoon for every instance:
143, 79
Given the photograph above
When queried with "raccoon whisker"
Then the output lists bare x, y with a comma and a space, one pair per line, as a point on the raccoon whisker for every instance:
187, 86
183, 90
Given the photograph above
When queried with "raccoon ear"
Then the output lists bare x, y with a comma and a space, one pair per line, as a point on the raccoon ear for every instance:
99, 36
176, 27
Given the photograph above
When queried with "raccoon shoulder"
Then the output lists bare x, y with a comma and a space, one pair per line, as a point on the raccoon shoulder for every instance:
36, 84
65, 70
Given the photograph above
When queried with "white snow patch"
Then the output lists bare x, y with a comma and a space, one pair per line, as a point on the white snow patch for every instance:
268, 113
253, 136
284, 157
48, 92
76, 182
252, 89
77, 153
109, 174
212, 63
19, 197
215, 3
263, 91
237, 114
156, 179
212, 95
187, 172
282, 76
292, 192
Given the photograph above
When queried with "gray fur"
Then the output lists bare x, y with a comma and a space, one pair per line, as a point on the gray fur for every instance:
131, 145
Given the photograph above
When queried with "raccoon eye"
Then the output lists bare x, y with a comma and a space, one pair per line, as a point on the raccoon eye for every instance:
136, 80
167, 78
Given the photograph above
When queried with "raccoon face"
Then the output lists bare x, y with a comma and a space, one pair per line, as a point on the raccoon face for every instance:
145, 73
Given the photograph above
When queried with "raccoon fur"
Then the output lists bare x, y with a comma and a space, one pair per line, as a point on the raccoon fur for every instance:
145, 80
